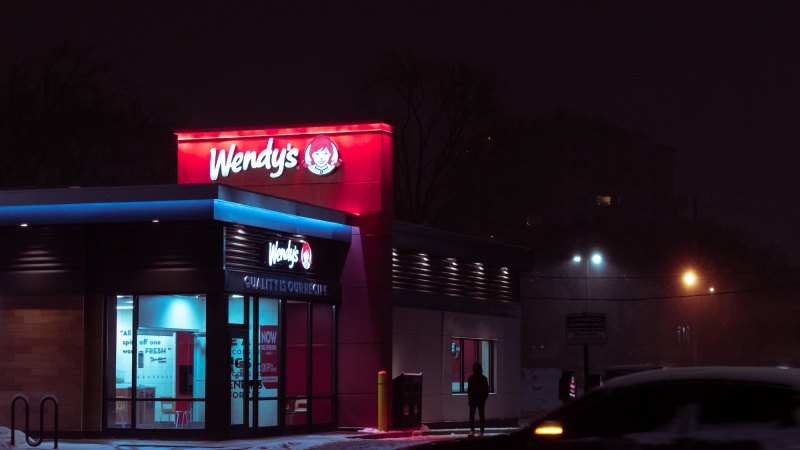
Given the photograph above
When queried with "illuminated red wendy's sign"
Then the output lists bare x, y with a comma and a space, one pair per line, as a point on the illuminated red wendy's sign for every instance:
321, 158
342, 166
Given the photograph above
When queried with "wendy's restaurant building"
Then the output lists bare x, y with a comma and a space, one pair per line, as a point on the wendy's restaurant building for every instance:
260, 295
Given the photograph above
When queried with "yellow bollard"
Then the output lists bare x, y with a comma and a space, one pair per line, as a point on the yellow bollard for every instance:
383, 401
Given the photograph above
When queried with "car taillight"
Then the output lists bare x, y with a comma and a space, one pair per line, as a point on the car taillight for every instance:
548, 429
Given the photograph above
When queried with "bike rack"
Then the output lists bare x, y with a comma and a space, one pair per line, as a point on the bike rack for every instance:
31, 441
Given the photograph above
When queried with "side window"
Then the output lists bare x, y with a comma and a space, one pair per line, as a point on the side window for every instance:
627, 411
736, 403
465, 353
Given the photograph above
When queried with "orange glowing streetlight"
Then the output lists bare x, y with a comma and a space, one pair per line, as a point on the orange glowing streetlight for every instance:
689, 278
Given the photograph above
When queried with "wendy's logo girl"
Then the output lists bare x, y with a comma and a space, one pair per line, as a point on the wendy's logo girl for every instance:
322, 156
305, 256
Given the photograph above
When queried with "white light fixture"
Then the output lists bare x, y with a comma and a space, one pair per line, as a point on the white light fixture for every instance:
597, 258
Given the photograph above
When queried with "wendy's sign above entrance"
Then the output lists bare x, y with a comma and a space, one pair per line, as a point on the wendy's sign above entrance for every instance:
345, 166
321, 158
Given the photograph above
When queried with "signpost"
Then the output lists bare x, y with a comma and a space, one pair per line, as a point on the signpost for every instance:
585, 329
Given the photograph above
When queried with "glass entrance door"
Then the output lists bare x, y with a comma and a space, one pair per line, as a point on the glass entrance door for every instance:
254, 361
281, 363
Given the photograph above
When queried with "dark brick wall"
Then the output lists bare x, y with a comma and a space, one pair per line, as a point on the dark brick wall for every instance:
41, 353
93, 364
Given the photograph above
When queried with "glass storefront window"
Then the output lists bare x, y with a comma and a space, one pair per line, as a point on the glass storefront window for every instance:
322, 350
267, 353
296, 363
322, 410
237, 380
236, 309
268, 348
124, 310
171, 360
120, 357
157, 362
267, 413
322, 343
158, 359
296, 349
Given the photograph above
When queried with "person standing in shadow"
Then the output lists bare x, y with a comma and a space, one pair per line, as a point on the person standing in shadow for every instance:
477, 392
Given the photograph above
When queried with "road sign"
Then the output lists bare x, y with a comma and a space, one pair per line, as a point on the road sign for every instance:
585, 329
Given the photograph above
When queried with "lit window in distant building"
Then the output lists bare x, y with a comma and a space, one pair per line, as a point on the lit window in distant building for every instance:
603, 200
466, 352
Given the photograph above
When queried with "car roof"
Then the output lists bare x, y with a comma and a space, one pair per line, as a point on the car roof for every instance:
770, 375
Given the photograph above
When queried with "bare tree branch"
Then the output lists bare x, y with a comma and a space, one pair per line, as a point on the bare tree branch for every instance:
69, 120
440, 111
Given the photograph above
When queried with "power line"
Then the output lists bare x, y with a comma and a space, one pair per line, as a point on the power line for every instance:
653, 277
750, 210
665, 297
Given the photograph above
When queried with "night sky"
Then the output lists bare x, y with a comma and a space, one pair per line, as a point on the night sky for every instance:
719, 82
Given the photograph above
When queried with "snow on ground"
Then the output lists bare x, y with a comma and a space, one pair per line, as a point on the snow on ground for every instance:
321, 441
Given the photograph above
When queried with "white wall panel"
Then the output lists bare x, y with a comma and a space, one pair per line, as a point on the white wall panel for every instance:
422, 344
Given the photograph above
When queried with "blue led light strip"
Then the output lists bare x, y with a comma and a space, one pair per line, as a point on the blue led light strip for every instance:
172, 210
265, 218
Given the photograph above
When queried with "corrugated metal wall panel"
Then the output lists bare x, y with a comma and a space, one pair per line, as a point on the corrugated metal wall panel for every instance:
449, 276
41, 248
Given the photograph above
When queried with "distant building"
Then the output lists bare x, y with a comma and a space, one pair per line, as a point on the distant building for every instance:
575, 186
580, 177
582, 185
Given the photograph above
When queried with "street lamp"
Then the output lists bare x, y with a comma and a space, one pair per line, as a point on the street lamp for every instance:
596, 260
690, 280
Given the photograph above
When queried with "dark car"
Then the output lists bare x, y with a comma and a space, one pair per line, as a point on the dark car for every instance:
698, 407
618, 371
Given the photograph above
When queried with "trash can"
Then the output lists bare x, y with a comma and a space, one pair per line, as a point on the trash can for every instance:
407, 401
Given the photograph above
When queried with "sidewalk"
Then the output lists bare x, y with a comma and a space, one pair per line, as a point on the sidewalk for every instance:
440, 438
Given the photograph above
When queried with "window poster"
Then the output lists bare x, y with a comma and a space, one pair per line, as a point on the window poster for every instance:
268, 345
156, 363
